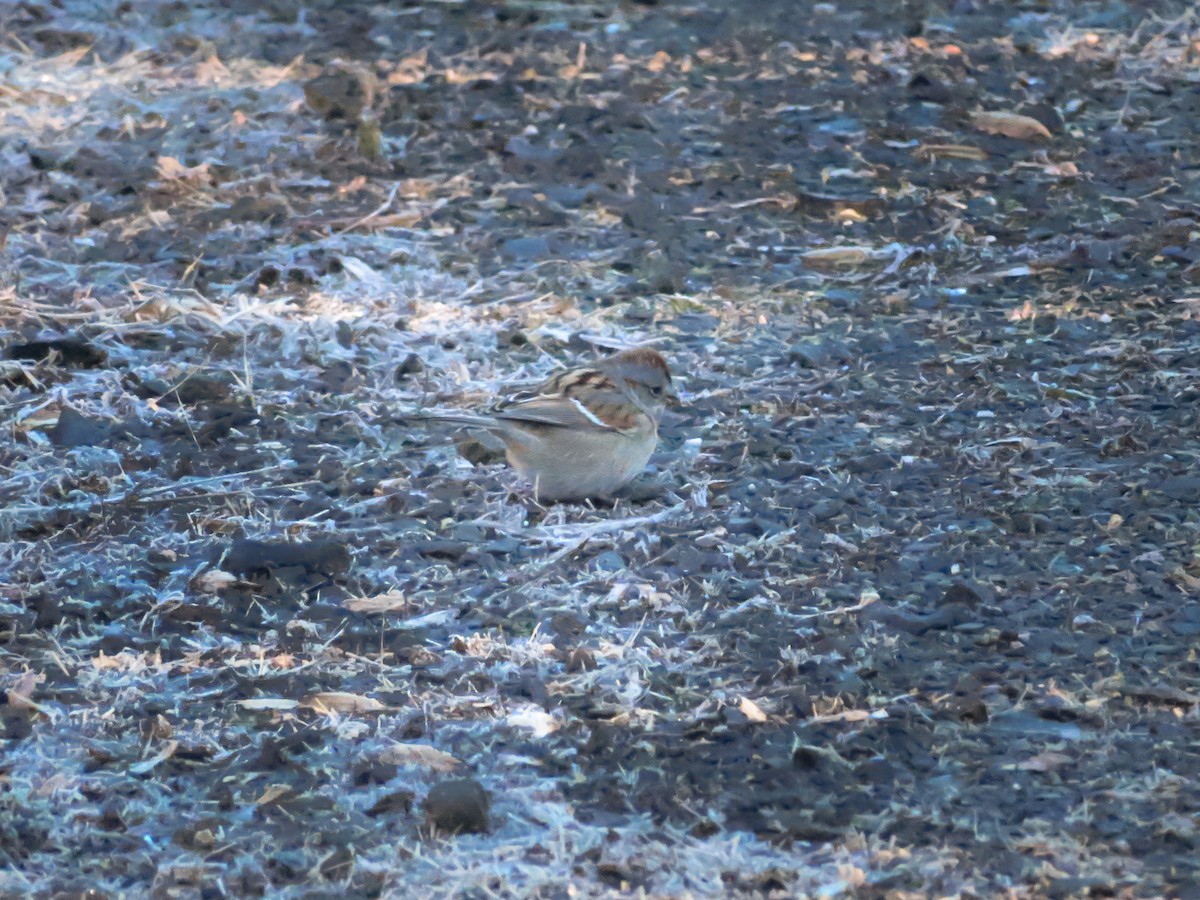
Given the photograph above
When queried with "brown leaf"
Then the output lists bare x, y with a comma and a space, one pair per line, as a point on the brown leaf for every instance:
342, 701
398, 754
273, 793
1013, 125
837, 257
20, 695
751, 710
659, 61
392, 601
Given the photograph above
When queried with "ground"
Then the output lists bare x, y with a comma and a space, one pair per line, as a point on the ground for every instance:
907, 604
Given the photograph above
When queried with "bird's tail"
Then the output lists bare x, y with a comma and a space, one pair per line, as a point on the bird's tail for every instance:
450, 418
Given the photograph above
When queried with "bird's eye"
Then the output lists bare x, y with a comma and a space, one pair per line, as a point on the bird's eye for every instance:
656, 390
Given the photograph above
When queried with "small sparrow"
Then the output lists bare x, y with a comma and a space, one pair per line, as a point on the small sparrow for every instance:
586, 432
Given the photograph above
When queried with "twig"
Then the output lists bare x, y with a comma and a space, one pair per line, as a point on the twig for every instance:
579, 534
383, 207
836, 610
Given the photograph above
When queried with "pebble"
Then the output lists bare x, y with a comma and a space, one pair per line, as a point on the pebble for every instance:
458, 805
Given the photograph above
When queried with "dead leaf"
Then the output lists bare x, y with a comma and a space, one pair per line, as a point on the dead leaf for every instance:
46, 417
398, 754
392, 601
20, 695
534, 718
273, 793
268, 703
344, 702
1013, 125
1045, 761
1180, 574
1025, 313
849, 715
837, 257
950, 151
1066, 169
148, 765
840, 542
171, 169
213, 581
458, 77
124, 661
751, 710
658, 61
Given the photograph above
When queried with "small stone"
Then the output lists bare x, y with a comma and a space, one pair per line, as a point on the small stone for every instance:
412, 365
458, 805
608, 561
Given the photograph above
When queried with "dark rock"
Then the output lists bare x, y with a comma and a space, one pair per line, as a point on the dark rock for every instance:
931, 87
961, 594
326, 557
608, 561
459, 805
69, 352
819, 352
394, 802
412, 365
371, 771
73, 429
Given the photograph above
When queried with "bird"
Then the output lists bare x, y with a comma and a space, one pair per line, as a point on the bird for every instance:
586, 432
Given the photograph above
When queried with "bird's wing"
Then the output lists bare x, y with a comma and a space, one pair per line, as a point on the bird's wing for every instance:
560, 411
